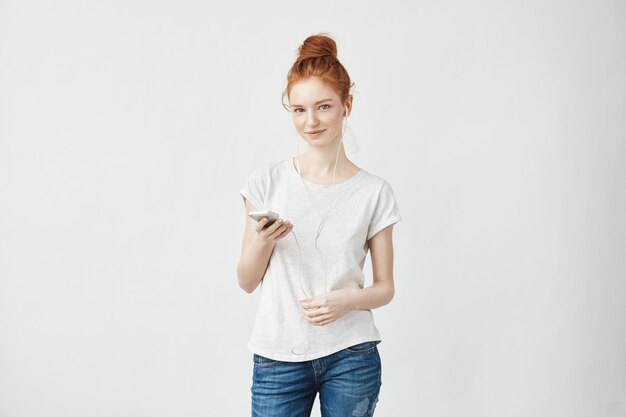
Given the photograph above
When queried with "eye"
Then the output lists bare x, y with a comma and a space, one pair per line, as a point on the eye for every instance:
325, 106
297, 110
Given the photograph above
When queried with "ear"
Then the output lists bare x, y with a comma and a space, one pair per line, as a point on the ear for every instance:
348, 106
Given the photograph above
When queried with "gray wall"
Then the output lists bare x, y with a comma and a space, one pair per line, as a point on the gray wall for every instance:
127, 129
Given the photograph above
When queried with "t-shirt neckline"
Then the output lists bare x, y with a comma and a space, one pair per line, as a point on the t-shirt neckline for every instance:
315, 185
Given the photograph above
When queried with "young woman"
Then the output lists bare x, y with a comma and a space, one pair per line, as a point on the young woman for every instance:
314, 329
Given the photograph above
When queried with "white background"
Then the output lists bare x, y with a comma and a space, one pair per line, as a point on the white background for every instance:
127, 129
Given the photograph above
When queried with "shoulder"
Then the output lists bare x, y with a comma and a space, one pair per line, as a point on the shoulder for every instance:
374, 182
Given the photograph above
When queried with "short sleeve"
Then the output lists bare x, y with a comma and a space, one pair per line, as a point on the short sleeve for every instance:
386, 211
255, 188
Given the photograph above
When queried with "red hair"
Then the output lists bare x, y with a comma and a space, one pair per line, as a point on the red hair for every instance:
317, 57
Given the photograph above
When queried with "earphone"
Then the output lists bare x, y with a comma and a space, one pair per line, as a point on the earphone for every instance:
317, 234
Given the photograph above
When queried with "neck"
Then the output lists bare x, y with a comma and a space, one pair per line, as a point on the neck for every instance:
321, 161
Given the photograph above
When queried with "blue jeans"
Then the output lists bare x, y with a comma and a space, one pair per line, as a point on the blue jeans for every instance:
348, 382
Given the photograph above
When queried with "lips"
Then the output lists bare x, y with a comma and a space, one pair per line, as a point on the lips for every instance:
314, 132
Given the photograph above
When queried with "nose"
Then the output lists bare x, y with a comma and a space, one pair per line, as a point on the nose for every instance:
311, 120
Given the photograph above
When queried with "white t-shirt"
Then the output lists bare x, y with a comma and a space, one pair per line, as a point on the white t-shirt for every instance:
303, 266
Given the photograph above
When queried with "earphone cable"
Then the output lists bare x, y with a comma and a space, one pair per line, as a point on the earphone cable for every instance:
317, 234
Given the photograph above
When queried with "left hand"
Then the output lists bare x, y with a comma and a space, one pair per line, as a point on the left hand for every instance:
326, 308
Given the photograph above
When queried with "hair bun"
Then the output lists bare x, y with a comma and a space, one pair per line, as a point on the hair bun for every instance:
317, 57
317, 46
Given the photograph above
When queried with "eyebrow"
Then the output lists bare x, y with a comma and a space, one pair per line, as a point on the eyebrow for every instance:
317, 102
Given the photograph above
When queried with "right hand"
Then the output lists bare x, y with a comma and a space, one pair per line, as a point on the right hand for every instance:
278, 230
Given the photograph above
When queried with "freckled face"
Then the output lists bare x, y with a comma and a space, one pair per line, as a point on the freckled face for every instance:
317, 112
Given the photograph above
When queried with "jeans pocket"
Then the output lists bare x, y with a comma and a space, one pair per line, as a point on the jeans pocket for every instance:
262, 361
364, 347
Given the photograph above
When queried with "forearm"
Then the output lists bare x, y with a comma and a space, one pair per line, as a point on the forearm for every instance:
328, 307
253, 263
377, 295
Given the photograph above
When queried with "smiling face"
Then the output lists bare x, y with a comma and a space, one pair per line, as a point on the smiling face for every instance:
317, 112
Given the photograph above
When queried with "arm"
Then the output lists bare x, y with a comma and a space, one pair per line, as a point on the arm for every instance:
329, 307
257, 247
382, 290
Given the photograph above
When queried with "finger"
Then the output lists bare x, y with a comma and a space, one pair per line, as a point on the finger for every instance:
278, 223
310, 319
325, 322
261, 224
317, 317
315, 312
269, 230
305, 304
310, 313
278, 231
321, 320
285, 232
315, 303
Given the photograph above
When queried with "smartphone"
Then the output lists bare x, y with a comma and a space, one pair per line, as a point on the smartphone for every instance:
258, 215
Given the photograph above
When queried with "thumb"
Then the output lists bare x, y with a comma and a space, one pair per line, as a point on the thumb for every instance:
306, 303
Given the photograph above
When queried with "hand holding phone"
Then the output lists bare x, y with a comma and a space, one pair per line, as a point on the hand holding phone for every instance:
275, 228
258, 215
